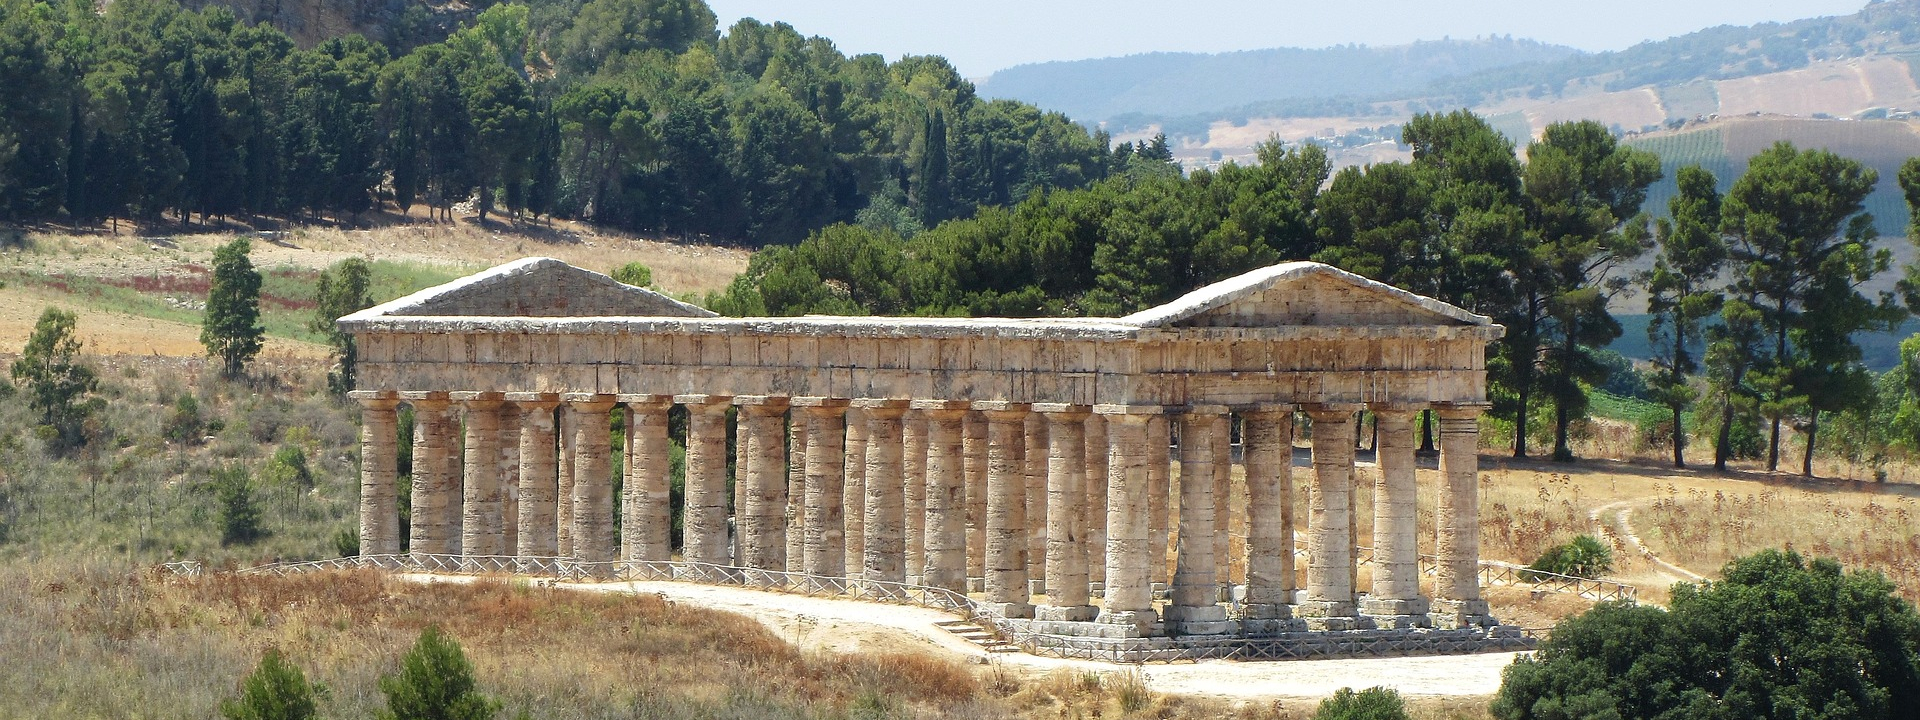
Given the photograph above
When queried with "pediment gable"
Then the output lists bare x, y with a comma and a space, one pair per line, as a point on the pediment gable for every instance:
1302, 293
535, 287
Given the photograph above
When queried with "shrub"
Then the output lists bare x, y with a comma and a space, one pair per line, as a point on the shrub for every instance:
231, 329
1584, 556
1374, 703
634, 274
57, 382
347, 542
184, 424
239, 513
275, 691
435, 682
289, 468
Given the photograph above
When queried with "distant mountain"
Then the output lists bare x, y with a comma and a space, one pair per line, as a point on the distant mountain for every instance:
1176, 84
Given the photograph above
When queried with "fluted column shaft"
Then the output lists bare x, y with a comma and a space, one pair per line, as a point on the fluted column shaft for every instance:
481, 531
1396, 555
1329, 517
1196, 592
509, 473
1067, 592
705, 516
762, 498
946, 518
826, 552
973, 448
885, 542
434, 528
796, 513
1035, 455
646, 530
563, 494
1129, 589
1095, 471
379, 471
1222, 448
1159, 498
1457, 601
913, 466
593, 540
1006, 564
539, 474
1266, 435
854, 494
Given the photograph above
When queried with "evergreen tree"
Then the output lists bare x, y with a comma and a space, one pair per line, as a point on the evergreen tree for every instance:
1681, 292
341, 290
231, 329
239, 510
276, 690
57, 383
435, 682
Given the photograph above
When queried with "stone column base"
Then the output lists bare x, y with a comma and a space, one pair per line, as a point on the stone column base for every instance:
1198, 620
1066, 613
1393, 607
1009, 609
1454, 614
1324, 615
1265, 611
1137, 618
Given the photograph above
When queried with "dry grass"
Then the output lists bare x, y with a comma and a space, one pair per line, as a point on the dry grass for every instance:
1703, 528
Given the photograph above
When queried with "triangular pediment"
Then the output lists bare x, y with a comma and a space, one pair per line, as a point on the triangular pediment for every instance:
1302, 293
535, 287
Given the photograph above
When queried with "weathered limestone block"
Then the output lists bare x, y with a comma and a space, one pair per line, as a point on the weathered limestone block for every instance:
1395, 601
705, 517
885, 530
435, 519
946, 521
762, 497
1195, 594
482, 509
1457, 602
1329, 603
1129, 589
647, 517
1007, 547
1267, 436
1067, 590
1096, 504
593, 540
379, 471
539, 471
826, 460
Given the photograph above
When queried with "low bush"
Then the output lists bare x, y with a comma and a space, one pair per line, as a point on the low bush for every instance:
1584, 556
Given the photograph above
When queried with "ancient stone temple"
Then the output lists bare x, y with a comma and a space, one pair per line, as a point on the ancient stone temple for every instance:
1073, 475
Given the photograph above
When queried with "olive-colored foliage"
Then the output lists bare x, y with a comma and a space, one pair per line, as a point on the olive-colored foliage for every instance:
231, 330
276, 690
1584, 556
1779, 637
1374, 703
435, 682
634, 273
342, 290
57, 382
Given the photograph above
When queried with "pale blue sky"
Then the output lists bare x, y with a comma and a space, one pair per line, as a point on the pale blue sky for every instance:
982, 36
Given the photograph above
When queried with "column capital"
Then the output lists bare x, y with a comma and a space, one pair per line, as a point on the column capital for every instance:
431, 398
1062, 411
761, 404
1396, 410
1326, 412
883, 408
1001, 406
941, 406
639, 401
533, 398
1201, 410
705, 403
478, 400
375, 399
812, 403
1118, 409
588, 402
1461, 410
1267, 409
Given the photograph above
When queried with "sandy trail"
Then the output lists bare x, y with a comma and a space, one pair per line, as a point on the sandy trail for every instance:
853, 626
1621, 527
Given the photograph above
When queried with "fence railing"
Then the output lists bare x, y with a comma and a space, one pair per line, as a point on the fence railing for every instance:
1494, 572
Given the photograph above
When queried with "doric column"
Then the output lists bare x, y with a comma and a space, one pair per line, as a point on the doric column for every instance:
826, 418
1006, 564
1067, 591
1223, 504
761, 496
1329, 604
946, 495
1266, 438
1035, 455
539, 472
480, 526
1096, 504
973, 448
379, 470
705, 516
592, 477
885, 546
646, 518
854, 494
1457, 601
434, 526
913, 468
1194, 609
1159, 498
1129, 584
1395, 600
509, 473
796, 514
563, 494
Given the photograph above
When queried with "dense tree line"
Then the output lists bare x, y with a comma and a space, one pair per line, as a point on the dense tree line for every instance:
633, 113
1540, 244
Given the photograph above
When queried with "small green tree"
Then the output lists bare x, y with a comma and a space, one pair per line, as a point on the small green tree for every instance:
231, 329
57, 383
435, 682
635, 274
343, 290
1374, 703
1584, 556
239, 512
276, 690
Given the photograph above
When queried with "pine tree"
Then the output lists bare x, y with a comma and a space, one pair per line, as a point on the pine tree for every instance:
435, 682
342, 291
276, 690
56, 382
231, 330
1680, 292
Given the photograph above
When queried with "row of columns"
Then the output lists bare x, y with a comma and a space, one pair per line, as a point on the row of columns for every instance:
1033, 499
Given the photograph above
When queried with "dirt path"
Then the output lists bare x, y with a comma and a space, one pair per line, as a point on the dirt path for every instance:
1621, 527
855, 626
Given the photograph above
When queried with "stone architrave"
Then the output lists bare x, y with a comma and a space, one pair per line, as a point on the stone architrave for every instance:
1006, 565
539, 473
1095, 470
435, 519
946, 518
885, 528
761, 496
826, 552
1266, 436
593, 540
1194, 609
705, 517
1329, 604
379, 472
1067, 589
1129, 587
1457, 602
646, 530
1395, 600
482, 507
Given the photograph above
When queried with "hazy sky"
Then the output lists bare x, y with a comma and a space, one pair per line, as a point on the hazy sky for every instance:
981, 36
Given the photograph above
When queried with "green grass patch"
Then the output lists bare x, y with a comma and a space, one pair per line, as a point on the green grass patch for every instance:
1607, 405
